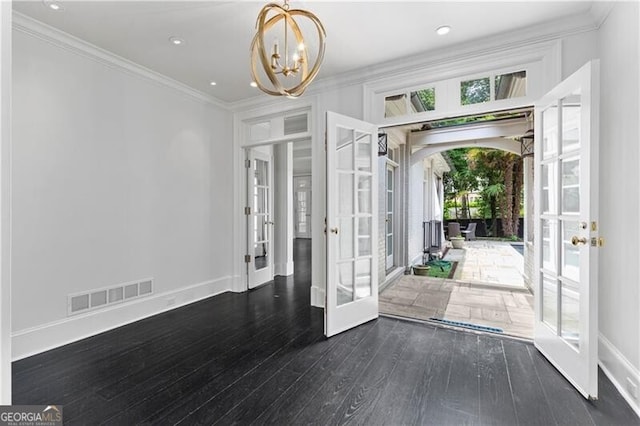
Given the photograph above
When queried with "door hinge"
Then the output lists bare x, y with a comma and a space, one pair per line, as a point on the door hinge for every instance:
325, 141
247, 258
247, 164
247, 211
594, 226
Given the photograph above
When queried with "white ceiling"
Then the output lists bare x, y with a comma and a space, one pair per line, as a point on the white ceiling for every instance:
218, 33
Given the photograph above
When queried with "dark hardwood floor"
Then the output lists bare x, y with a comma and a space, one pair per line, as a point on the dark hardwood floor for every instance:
260, 358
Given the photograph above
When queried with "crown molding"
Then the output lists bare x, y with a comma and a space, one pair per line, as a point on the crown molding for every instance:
66, 41
526, 38
600, 11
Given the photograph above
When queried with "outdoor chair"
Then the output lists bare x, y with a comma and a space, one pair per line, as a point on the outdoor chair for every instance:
470, 232
453, 229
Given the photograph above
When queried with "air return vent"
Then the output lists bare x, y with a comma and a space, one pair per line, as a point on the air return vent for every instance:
99, 298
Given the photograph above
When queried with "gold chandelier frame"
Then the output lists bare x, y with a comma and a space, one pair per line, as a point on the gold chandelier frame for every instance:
263, 24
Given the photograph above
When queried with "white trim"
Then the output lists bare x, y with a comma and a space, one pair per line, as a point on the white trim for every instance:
5, 202
283, 269
618, 368
44, 337
278, 108
317, 297
58, 38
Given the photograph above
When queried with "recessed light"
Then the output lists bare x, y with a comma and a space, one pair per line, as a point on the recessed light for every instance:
253, 84
176, 41
443, 30
213, 83
52, 5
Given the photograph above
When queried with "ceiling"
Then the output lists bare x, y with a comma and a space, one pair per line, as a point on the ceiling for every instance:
218, 34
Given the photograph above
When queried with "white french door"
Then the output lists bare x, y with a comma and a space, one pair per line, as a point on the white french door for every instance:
566, 228
390, 216
302, 206
259, 217
352, 260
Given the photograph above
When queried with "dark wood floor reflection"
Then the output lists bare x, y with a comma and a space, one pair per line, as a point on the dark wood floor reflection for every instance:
260, 357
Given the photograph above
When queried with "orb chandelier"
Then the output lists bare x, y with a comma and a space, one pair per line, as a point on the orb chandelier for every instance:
286, 70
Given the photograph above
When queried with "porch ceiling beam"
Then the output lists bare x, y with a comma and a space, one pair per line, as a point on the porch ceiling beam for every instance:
506, 128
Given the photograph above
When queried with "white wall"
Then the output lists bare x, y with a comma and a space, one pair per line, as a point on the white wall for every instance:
116, 177
619, 276
5, 192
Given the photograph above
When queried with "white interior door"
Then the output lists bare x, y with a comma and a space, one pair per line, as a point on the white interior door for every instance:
302, 205
352, 260
566, 227
390, 216
259, 217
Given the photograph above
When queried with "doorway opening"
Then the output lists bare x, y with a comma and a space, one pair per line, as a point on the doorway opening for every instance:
464, 271
278, 211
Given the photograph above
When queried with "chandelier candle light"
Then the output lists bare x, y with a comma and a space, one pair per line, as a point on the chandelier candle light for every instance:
288, 76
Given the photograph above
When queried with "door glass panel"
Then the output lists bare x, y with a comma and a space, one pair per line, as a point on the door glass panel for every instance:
389, 245
571, 110
363, 157
345, 194
261, 255
364, 236
389, 223
345, 238
548, 183
260, 228
550, 131
363, 278
570, 326
364, 194
262, 173
570, 253
344, 289
261, 200
549, 253
345, 157
571, 186
550, 301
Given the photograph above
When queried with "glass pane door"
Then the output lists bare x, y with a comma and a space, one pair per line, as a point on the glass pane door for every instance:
566, 229
352, 296
259, 217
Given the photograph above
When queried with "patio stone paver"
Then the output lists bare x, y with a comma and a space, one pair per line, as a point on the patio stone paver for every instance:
488, 262
485, 290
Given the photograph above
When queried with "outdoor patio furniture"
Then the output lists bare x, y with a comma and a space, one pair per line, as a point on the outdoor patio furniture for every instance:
470, 232
454, 229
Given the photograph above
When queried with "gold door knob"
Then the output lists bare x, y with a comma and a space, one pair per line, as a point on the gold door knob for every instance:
334, 231
576, 241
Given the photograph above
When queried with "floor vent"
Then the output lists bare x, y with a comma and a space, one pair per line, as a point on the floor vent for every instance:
99, 298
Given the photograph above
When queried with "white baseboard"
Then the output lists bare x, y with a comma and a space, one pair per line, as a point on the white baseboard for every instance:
58, 333
618, 369
239, 283
317, 297
283, 269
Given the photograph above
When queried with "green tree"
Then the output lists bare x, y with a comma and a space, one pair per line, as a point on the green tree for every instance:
460, 181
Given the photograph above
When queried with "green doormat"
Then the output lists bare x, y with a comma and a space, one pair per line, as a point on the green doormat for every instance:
441, 268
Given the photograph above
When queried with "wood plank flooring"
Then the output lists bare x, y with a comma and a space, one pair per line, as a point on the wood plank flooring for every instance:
260, 358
